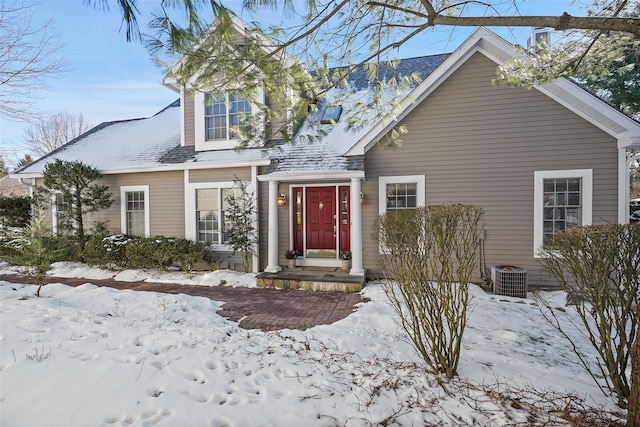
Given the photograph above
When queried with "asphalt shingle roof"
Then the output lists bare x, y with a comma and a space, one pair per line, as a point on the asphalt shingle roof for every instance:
155, 141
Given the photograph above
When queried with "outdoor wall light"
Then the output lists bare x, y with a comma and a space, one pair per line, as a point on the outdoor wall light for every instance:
362, 198
282, 200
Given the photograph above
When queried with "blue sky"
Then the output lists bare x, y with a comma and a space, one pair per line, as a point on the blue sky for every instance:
107, 78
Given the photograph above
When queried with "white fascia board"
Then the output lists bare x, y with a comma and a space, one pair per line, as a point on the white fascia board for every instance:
497, 49
187, 166
311, 176
168, 168
431, 83
171, 82
32, 175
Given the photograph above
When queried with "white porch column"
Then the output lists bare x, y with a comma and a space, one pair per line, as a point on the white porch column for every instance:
272, 249
356, 229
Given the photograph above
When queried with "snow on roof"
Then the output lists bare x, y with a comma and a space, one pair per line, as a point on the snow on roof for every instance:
138, 144
154, 142
127, 144
319, 148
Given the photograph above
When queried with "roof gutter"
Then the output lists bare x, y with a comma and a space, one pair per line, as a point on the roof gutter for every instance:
311, 176
168, 168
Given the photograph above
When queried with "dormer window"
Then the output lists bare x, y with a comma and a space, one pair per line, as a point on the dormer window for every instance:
223, 113
220, 115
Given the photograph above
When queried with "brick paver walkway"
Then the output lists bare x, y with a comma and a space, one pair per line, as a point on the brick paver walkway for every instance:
259, 308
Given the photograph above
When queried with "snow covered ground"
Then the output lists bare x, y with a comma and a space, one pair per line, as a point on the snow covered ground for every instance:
91, 356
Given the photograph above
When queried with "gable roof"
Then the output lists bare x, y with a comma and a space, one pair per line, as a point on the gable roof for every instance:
563, 91
319, 148
140, 145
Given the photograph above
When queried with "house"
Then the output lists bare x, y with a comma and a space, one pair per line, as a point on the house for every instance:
511, 151
10, 187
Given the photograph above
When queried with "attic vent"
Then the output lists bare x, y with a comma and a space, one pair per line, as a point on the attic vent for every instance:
331, 115
509, 280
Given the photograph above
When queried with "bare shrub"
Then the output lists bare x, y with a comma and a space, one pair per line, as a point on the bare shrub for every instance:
430, 253
39, 356
598, 267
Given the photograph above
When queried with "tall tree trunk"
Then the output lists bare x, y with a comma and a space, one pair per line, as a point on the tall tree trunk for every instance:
633, 416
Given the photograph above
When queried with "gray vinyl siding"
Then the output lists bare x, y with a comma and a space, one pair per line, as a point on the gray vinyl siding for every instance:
189, 120
219, 175
166, 201
479, 143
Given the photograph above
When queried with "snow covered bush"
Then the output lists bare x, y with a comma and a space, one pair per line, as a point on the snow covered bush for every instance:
429, 257
163, 252
188, 254
599, 268
107, 251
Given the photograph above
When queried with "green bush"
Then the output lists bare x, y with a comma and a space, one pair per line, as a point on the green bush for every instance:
189, 253
107, 251
163, 252
36, 251
15, 211
10, 247
139, 252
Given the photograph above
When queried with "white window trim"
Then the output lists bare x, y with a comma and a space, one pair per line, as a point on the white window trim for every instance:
586, 175
402, 179
123, 207
218, 144
54, 213
190, 208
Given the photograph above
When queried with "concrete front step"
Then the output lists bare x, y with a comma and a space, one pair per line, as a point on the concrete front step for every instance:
312, 279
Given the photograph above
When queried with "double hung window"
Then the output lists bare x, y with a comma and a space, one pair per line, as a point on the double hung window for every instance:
211, 221
562, 200
224, 114
400, 192
134, 213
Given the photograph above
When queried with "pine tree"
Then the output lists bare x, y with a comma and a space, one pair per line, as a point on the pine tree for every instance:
75, 183
35, 253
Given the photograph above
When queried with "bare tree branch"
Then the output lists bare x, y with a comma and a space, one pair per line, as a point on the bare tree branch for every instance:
51, 132
563, 22
27, 57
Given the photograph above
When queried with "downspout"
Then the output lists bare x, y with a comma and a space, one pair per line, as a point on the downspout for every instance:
31, 184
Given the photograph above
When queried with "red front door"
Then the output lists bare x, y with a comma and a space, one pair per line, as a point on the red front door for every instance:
321, 218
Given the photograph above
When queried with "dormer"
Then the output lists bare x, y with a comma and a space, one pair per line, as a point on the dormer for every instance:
221, 112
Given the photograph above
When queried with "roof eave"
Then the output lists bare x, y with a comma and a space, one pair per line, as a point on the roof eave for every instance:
311, 176
586, 105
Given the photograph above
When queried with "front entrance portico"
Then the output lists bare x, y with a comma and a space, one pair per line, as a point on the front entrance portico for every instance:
325, 221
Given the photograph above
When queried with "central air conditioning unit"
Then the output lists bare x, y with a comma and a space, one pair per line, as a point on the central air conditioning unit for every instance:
509, 280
